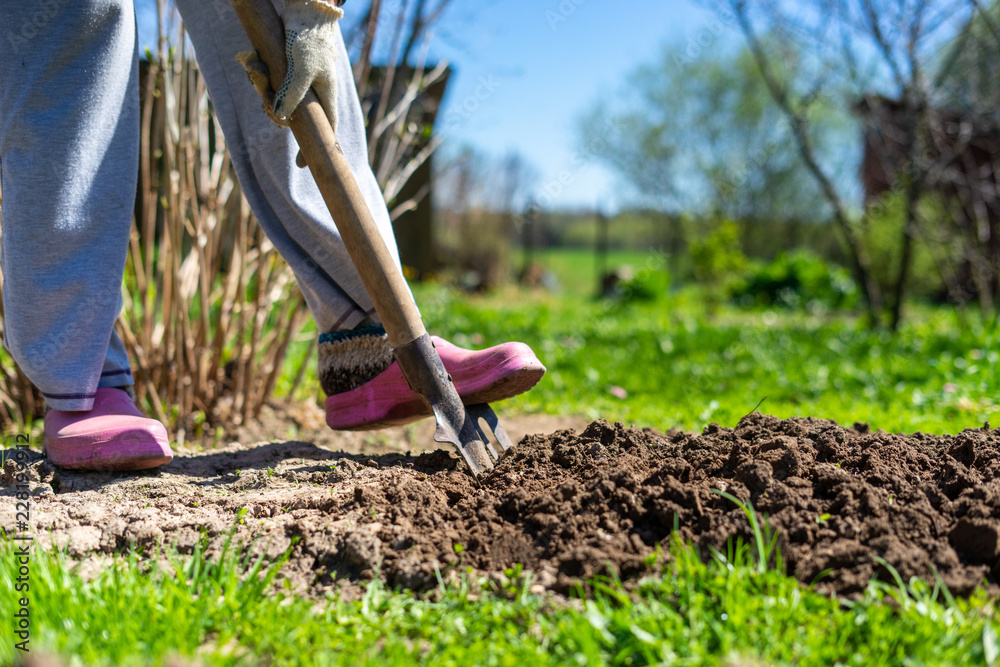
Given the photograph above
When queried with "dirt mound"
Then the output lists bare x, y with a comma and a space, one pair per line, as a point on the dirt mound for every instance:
565, 505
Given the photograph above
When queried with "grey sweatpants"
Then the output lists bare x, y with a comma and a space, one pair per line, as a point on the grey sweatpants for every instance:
69, 147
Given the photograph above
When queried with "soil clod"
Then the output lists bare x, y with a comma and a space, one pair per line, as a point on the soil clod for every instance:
566, 506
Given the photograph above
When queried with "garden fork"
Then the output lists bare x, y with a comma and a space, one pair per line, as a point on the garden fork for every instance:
474, 430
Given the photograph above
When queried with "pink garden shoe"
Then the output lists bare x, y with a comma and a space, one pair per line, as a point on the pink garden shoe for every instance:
113, 435
482, 376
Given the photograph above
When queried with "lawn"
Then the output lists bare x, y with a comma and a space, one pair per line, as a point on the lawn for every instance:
662, 363
680, 368
721, 612
575, 269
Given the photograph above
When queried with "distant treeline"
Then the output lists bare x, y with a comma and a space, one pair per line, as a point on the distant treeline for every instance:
650, 230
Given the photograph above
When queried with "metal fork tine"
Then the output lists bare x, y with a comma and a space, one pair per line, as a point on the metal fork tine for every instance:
484, 436
485, 412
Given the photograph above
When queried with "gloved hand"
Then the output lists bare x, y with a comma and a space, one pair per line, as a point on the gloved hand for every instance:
311, 51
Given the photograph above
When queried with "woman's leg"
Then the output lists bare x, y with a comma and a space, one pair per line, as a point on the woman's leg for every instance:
355, 360
69, 151
69, 158
286, 201
284, 198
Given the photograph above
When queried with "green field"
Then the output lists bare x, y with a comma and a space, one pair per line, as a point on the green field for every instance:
679, 368
575, 270
683, 369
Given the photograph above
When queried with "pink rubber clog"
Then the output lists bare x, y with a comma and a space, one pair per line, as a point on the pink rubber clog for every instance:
481, 376
113, 435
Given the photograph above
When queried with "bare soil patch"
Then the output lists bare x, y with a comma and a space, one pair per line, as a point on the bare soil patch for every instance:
567, 505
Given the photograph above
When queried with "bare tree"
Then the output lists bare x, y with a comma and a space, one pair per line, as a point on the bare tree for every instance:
480, 197
876, 55
395, 100
796, 106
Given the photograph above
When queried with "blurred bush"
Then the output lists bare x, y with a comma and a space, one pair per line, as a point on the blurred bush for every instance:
647, 285
718, 261
797, 279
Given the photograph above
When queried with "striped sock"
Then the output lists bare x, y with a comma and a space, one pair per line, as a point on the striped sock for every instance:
348, 359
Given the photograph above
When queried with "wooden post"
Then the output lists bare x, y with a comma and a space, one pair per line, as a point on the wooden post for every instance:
601, 251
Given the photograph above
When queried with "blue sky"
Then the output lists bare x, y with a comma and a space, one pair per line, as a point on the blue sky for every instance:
538, 66
525, 70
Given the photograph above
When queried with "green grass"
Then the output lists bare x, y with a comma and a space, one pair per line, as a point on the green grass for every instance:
682, 369
679, 367
576, 269
575, 272
695, 613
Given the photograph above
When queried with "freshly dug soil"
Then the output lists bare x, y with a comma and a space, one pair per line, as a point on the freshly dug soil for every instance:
566, 506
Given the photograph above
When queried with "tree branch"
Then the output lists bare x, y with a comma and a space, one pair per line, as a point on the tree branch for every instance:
799, 126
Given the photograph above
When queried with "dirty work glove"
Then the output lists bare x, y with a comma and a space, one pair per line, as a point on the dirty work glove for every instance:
348, 359
311, 51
